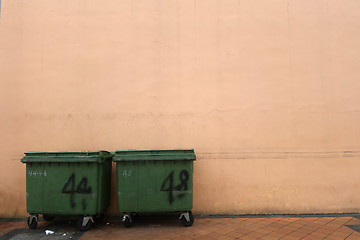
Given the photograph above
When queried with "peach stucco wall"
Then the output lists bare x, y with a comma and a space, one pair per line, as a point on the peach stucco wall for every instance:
267, 92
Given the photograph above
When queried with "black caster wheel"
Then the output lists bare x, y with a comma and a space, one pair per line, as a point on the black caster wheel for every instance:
32, 222
127, 221
187, 222
84, 228
48, 218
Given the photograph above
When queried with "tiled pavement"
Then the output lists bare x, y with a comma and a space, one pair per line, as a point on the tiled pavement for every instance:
307, 227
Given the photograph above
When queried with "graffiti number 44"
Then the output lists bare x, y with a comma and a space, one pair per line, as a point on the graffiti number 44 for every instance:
69, 188
168, 185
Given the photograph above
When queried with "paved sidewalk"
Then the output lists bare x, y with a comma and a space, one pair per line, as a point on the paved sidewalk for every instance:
283, 227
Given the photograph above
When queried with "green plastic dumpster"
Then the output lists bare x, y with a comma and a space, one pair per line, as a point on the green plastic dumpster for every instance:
67, 183
153, 181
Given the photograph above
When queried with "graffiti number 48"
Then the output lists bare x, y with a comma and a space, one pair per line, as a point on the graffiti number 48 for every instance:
168, 185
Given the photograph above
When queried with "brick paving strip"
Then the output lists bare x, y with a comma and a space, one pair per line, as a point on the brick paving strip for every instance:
224, 228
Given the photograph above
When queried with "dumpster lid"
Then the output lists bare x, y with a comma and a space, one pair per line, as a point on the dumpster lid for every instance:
154, 155
85, 156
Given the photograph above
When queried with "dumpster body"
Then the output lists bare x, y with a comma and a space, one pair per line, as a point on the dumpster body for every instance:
67, 183
152, 181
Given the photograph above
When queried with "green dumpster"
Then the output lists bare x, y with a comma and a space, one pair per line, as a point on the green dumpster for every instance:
67, 183
152, 181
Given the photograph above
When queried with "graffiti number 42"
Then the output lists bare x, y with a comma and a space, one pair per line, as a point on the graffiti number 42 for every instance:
168, 185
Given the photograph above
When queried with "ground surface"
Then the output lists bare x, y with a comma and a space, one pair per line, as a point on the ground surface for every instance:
220, 228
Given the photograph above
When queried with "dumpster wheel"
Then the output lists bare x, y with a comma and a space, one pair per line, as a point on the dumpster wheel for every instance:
85, 223
48, 218
187, 218
127, 219
32, 221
